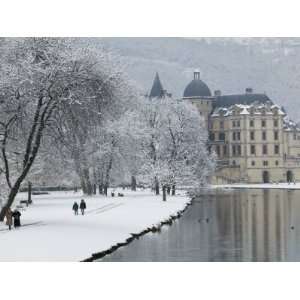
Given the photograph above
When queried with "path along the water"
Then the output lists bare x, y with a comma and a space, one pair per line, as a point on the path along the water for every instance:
52, 232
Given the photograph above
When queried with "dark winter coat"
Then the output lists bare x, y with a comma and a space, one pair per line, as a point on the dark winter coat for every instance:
16, 215
82, 205
75, 206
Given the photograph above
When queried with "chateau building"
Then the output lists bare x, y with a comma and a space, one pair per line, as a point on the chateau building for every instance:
253, 138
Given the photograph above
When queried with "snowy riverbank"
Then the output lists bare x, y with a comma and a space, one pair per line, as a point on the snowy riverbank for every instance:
51, 232
283, 185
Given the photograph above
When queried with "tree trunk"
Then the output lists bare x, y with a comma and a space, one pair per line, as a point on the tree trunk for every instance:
29, 200
100, 189
168, 190
95, 189
31, 152
13, 192
164, 189
173, 190
133, 183
156, 186
105, 190
83, 186
88, 184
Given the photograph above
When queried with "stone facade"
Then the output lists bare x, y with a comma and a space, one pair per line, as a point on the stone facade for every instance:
257, 141
252, 138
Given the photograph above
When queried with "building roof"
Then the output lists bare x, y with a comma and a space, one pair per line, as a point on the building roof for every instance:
246, 99
196, 88
256, 108
157, 88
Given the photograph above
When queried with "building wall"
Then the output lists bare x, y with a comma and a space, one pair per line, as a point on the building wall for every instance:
204, 106
257, 143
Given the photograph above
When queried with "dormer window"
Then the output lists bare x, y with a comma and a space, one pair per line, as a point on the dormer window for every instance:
197, 75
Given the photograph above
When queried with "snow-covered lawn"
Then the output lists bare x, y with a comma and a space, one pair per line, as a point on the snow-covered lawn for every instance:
284, 185
51, 232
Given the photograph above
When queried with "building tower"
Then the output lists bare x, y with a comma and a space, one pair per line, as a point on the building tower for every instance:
157, 90
198, 93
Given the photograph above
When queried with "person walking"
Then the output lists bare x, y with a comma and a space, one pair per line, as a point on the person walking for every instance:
17, 218
75, 208
82, 206
9, 218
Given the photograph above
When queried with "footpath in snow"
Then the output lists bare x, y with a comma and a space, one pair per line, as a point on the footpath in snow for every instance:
283, 185
51, 232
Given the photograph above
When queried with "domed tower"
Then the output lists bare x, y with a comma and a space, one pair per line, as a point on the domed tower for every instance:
198, 93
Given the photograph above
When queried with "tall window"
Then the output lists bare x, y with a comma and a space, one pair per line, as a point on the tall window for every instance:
233, 150
212, 136
238, 135
221, 125
276, 135
239, 150
276, 149
233, 136
264, 135
252, 135
218, 150
238, 124
251, 123
265, 149
233, 123
221, 136
252, 149
275, 123
224, 150
263, 123
253, 162
265, 163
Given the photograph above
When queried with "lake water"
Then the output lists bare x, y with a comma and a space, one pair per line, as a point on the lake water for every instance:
235, 225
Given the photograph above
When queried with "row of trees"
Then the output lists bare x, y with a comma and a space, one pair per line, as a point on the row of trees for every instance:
69, 114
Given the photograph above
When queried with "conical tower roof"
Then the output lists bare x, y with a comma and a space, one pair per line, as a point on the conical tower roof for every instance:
157, 88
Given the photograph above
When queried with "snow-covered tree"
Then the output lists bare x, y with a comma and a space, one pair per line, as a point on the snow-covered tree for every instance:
40, 79
174, 145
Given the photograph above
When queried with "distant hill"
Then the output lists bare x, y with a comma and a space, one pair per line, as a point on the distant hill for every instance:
231, 65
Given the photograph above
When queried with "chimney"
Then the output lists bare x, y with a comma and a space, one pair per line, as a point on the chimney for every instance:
217, 93
249, 90
197, 75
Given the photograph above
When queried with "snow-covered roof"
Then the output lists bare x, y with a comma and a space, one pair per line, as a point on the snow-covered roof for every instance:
289, 125
255, 108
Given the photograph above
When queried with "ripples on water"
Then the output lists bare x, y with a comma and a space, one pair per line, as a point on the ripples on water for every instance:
239, 225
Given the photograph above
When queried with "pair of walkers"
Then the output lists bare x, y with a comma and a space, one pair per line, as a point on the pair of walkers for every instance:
13, 217
82, 207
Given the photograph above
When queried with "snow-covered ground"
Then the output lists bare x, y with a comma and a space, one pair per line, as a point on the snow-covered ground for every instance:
51, 232
283, 185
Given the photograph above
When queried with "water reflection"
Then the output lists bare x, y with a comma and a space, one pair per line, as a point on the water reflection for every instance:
240, 225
